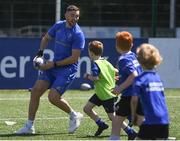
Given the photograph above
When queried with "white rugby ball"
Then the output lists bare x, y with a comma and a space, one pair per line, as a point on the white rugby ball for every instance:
38, 61
85, 86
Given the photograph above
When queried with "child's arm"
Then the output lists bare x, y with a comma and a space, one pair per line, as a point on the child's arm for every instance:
116, 71
95, 71
125, 84
91, 77
116, 74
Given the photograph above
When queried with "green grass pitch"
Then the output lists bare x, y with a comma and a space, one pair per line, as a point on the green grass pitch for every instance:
52, 124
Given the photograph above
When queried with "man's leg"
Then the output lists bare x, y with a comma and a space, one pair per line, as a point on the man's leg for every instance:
56, 99
75, 117
37, 91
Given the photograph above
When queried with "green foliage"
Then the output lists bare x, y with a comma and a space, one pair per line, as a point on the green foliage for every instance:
52, 124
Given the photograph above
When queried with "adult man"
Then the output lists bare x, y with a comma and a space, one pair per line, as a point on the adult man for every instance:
58, 74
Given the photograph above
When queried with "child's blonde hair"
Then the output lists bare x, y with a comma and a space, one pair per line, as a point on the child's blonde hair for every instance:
148, 56
124, 40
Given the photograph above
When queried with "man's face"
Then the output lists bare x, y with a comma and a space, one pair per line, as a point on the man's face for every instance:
72, 17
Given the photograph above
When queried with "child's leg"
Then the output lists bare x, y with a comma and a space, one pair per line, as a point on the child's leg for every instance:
140, 119
129, 131
88, 109
117, 123
139, 114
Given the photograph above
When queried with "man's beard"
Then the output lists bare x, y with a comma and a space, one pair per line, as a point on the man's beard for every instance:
71, 23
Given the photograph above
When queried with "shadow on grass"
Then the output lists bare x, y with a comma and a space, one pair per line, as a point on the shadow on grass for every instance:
31, 135
96, 137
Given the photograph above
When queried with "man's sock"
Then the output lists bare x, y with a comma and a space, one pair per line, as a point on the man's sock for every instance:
30, 123
72, 113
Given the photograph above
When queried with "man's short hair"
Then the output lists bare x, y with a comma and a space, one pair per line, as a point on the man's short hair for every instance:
72, 8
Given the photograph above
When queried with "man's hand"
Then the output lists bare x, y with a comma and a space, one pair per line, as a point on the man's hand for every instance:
40, 53
38, 61
85, 76
47, 65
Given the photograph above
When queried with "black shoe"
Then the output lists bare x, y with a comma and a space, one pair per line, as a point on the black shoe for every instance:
101, 129
132, 136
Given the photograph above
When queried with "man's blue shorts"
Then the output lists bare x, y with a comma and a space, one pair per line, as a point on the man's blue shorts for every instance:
59, 78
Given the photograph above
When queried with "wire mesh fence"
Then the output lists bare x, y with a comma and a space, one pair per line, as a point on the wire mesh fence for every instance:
16, 15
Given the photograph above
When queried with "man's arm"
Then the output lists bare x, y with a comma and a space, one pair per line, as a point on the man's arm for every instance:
44, 42
70, 60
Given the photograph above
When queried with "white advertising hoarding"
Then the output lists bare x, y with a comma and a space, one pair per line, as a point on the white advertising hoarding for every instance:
169, 70
109, 32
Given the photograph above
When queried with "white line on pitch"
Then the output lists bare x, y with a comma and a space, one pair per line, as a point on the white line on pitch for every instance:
16, 98
47, 118
45, 98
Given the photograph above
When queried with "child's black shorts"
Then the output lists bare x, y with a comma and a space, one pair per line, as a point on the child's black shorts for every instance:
123, 108
107, 104
153, 132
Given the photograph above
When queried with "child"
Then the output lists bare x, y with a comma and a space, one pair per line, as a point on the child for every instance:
151, 91
129, 68
103, 75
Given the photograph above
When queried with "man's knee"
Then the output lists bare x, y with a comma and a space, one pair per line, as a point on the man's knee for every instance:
36, 89
36, 92
39, 88
51, 97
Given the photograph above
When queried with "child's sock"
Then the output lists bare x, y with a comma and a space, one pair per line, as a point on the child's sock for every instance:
100, 122
114, 137
129, 130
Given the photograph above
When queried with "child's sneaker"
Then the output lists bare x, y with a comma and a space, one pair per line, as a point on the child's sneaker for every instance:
101, 129
132, 136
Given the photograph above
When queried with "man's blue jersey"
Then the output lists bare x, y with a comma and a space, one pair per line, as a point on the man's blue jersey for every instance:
150, 89
66, 39
127, 64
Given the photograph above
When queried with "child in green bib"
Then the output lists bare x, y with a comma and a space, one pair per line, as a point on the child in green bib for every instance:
104, 76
